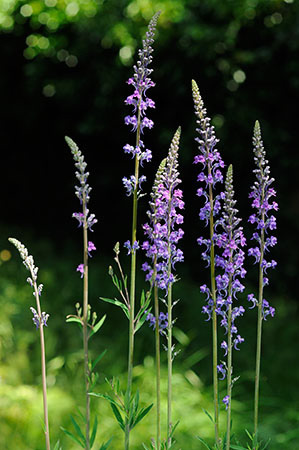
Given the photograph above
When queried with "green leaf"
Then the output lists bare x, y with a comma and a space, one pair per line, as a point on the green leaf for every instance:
98, 359
68, 433
78, 429
266, 445
74, 319
117, 303
237, 447
96, 327
94, 432
118, 416
204, 442
106, 445
143, 412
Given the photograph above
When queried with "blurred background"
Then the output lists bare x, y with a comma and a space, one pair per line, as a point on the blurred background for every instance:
64, 66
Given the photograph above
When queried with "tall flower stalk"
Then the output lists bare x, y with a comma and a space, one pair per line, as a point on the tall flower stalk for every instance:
141, 82
210, 175
40, 320
86, 220
264, 223
230, 260
161, 248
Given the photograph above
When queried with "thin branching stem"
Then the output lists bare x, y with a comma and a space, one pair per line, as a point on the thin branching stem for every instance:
158, 363
214, 317
259, 330
85, 326
133, 282
43, 366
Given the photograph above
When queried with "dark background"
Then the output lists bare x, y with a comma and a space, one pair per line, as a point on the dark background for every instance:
46, 95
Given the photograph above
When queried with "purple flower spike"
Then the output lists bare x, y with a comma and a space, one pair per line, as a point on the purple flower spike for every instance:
38, 320
262, 203
163, 321
140, 103
162, 235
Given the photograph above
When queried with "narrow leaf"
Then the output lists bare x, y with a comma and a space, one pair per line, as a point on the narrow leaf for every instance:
68, 433
98, 359
74, 319
106, 445
94, 432
97, 326
57, 445
143, 412
117, 303
118, 416
78, 429
209, 415
237, 447
204, 442
106, 397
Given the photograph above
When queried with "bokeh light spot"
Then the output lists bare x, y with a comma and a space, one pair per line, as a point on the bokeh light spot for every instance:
239, 76
49, 90
26, 10
5, 255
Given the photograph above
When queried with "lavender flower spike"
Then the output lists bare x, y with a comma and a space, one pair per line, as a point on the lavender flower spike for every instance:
263, 220
164, 217
140, 102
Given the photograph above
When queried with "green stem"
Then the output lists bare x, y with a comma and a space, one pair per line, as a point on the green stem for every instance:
43, 366
229, 369
85, 327
169, 365
259, 334
158, 367
214, 318
132, 287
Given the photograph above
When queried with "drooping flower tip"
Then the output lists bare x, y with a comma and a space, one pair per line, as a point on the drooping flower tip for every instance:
226, 401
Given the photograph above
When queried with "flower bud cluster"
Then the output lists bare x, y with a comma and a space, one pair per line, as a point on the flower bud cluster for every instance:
212, 165
163, 236
264, 221
29, 264
140, 82
82, 191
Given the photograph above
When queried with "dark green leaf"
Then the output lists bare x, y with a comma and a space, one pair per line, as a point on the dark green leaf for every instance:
237, 447
94, 431
117, 416
68, 433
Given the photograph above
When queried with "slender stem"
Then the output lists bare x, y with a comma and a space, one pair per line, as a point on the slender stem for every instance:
158, 368
169, 364
229, 369
259, 334
132, 285
214, 317
43, 365
85, 327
